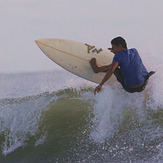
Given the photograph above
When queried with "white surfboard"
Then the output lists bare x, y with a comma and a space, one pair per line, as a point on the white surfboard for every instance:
75, 56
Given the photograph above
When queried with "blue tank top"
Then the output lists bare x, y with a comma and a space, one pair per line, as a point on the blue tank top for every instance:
131, 66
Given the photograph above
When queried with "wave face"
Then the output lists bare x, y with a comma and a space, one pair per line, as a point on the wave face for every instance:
55, 117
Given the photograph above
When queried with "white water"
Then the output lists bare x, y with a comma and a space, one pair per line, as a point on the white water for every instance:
111, 102
20, 104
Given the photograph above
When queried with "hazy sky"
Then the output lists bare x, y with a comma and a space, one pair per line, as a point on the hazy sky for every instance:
140, 22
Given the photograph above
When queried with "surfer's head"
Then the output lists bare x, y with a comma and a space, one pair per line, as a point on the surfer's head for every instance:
118, 44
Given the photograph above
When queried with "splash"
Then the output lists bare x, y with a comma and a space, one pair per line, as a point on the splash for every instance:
19, 119
109, 110
112, 124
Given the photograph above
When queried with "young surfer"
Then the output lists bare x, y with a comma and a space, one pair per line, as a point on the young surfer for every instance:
127, 66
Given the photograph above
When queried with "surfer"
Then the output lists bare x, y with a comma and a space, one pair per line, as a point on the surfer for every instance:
127, 66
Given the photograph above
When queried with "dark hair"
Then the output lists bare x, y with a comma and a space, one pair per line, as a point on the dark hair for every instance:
119, 40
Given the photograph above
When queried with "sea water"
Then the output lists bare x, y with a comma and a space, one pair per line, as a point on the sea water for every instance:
55, 117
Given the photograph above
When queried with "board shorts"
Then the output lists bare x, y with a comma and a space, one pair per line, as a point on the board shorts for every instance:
119, 76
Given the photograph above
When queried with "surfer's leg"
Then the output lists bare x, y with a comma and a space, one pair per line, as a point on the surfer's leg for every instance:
118, 74
149, 74
141, 88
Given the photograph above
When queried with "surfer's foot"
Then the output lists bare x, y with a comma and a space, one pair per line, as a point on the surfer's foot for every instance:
94, 65
151, 73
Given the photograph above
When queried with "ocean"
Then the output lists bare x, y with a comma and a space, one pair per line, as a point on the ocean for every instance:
55, 117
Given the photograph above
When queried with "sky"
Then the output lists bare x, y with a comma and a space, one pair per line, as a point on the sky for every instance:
96, 22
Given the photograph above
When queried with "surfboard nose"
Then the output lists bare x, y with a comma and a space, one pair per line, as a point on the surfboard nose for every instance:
43, 41
37, 41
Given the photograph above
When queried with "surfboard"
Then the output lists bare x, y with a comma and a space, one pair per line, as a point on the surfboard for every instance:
75, 56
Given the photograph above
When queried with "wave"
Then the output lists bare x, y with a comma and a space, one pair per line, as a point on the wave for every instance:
74, 125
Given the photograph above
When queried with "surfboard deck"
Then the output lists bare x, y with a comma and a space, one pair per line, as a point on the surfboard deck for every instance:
75, 56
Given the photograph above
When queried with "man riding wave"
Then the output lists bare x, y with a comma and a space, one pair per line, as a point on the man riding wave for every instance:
127, 66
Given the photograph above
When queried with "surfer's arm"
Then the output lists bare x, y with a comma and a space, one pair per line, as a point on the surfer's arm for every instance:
114, 65
104, 68
97, 69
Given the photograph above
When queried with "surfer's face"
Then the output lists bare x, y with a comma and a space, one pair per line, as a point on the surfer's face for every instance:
116, 49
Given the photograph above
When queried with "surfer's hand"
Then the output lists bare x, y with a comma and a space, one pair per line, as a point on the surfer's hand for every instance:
97, 89
94, 65
93, 60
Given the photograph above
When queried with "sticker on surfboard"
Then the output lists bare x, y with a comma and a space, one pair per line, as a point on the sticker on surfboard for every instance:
93, 49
